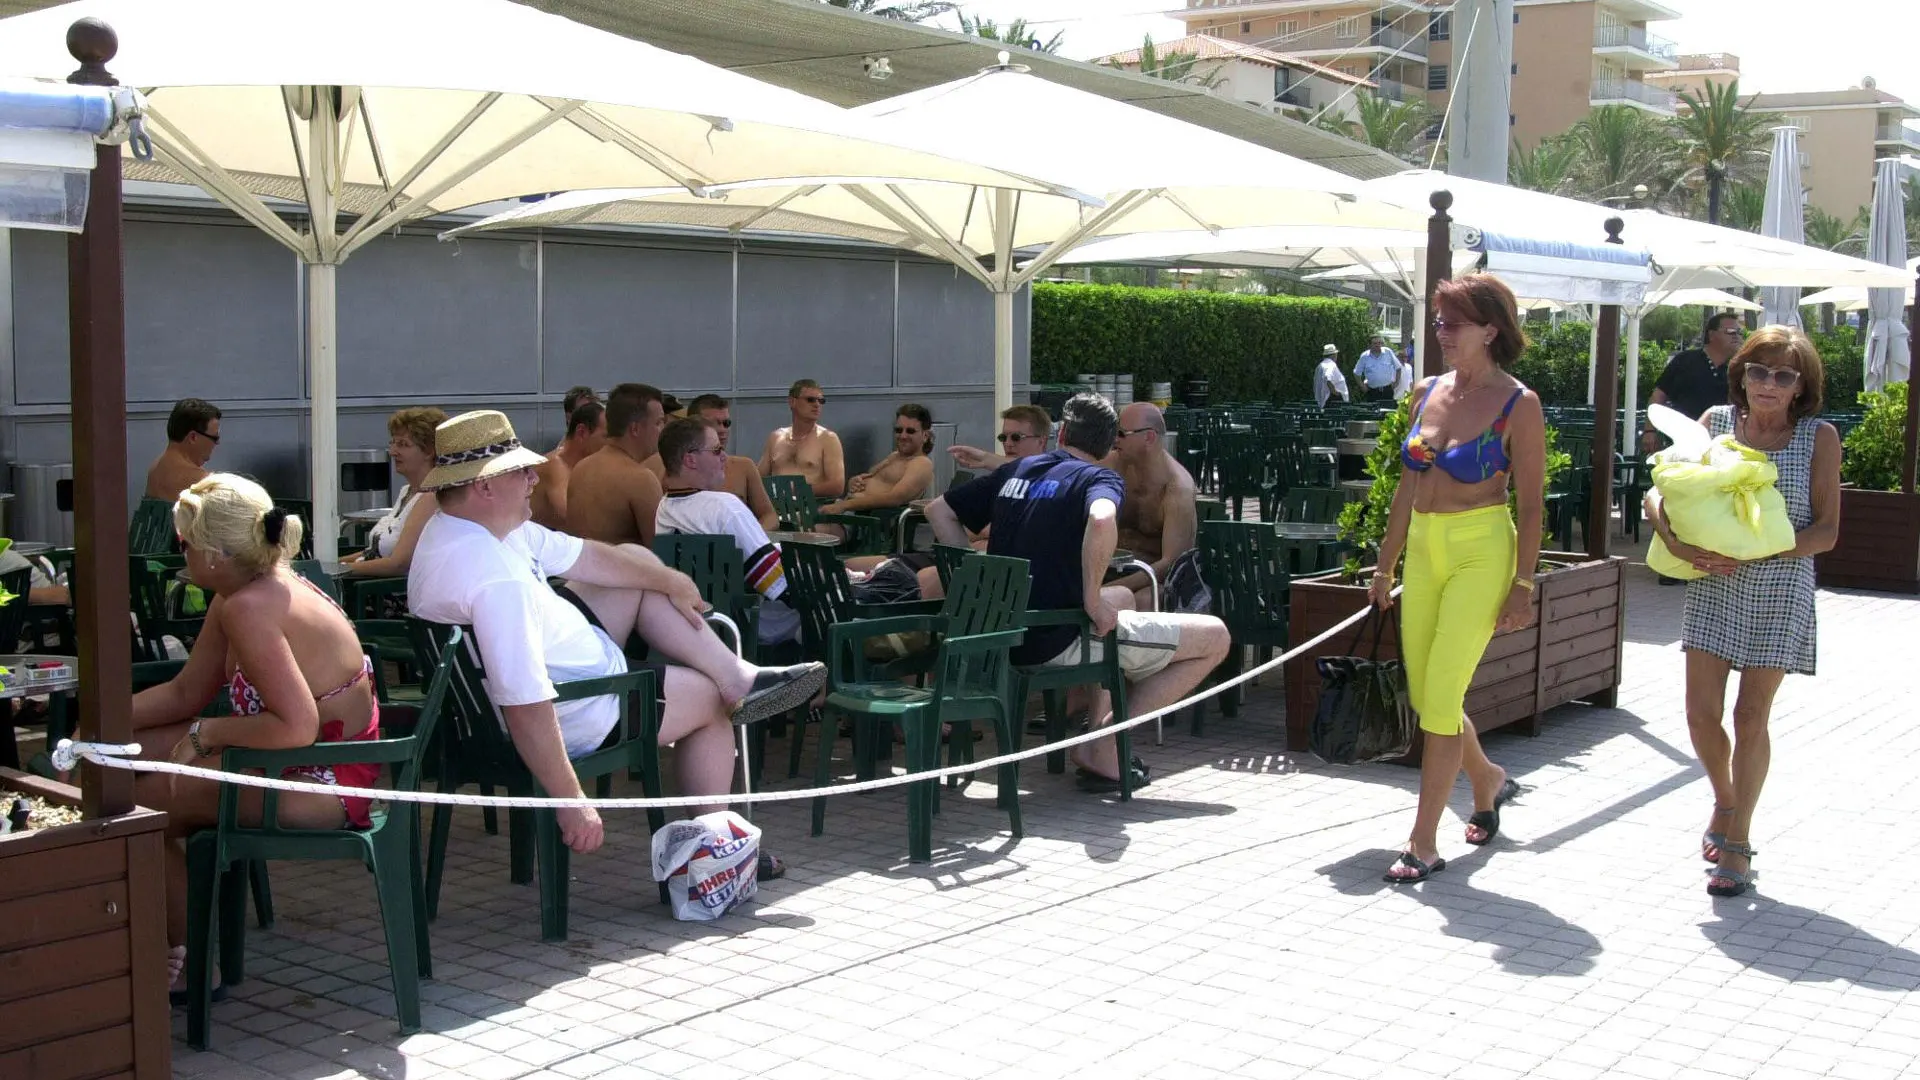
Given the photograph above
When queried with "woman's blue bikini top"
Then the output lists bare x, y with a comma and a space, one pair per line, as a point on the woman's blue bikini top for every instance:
1470, 462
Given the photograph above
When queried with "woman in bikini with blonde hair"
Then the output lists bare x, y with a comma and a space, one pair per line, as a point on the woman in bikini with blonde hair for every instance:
289, 661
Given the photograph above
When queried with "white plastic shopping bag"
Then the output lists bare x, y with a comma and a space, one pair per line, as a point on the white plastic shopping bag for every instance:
711, 864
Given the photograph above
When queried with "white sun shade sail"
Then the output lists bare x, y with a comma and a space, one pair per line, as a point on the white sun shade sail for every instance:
1713, 298
393, 110
1151, 172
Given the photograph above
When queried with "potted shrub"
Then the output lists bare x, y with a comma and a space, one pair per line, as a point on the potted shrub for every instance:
1879, 543
1572, 652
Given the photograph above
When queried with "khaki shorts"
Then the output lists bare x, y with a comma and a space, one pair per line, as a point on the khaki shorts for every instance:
1147, 642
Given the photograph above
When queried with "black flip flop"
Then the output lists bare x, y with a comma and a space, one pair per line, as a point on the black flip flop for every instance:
1423, 870
1489, 820
769, 868
1094, 783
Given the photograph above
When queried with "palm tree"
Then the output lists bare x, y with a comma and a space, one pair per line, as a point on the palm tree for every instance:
1744, 206
1619, 147
1175, 65
1824, 230
906, 11
1016, 32
1384, 124
1912, 194
1721, 138
1548, 167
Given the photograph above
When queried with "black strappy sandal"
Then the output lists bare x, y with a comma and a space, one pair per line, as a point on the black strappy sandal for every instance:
1488, 821
1422, 870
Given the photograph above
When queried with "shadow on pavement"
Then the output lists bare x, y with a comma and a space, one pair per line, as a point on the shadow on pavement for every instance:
1802, 945
1527, 939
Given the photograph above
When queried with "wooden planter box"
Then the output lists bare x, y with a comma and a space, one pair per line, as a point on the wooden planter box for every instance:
83, 941
1879, 543
1570, 653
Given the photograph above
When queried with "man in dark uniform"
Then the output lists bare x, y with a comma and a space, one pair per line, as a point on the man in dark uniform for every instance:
1696, 379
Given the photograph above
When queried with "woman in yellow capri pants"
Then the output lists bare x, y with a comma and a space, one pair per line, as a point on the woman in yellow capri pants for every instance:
1474, 429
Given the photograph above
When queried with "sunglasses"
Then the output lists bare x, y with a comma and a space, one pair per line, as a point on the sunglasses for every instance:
1124, 432
1782, 377
1736, 331
209, 436
815, 399
1006, 437
725, 421
1441, 326
906, 431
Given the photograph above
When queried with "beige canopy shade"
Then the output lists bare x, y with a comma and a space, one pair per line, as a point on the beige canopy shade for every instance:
1153, 174
366, 114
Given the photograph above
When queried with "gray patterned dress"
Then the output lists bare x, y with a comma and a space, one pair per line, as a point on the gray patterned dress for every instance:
1761, 616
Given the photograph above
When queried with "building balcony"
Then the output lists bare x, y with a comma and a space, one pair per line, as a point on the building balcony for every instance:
1897, 136
1636, 49
1394, 90
1327, 40
1636, 94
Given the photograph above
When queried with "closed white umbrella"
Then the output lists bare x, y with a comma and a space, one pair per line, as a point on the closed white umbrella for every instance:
1783, 217
1889, 351
386, 111
1153, 174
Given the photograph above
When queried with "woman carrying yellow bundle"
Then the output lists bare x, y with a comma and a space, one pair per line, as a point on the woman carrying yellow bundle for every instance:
1756, 616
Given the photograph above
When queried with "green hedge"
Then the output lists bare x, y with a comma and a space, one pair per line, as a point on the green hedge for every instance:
1248, 348
1555, 364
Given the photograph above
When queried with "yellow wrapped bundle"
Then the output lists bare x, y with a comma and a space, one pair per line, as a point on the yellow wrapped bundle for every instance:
1723, 501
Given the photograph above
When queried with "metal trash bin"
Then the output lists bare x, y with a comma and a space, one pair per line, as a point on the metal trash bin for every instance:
366, 480
34, 513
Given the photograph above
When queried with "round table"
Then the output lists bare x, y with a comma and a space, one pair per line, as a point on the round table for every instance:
26, 680
370, 516
822, 539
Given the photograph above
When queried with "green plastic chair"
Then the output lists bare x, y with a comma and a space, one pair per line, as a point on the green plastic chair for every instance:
152, 580
797, 508
1241, 460
947, 559
818, 588
1313, 504
476, 749
150, 532
979, 623
718, 569
303, 509
1050, 680
390, 849
1245, 564
312, 570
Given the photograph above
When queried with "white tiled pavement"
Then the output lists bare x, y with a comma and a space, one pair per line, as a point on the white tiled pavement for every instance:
1230, 921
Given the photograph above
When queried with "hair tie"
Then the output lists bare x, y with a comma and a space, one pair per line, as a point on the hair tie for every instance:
273, 524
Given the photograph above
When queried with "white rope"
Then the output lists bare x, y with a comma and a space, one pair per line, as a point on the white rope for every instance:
1446, 115
116, 756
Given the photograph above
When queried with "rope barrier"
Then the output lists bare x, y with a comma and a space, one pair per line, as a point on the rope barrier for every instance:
119, 756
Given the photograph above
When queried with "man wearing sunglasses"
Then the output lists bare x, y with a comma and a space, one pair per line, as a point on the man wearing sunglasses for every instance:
1695, 380
193, 430
902, 476
806, 447
743, 476
1157, 519
698, 502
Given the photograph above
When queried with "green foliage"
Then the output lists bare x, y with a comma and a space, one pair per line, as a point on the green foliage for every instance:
1176, 65
1017, 32
1619, 147
1844, 353
1249, 348
1829, 231
1555, 363
1743, 207
1364, 524
1721, 140
907, 11
1871, 458
1548, 167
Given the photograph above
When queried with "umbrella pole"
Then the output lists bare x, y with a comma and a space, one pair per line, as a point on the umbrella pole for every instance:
323, 403
1912, 442
1002, 350
1631, 424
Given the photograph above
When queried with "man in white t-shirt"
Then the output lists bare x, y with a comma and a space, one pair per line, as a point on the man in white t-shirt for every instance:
482, 562
697, 502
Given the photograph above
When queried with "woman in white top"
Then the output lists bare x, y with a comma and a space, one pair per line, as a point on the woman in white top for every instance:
390, 544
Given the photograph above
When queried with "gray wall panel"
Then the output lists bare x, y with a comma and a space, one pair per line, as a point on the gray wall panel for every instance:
946, 327
822, 318
201, 299
418, 317
626, 314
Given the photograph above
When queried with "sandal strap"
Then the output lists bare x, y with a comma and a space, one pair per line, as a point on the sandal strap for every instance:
1736, 847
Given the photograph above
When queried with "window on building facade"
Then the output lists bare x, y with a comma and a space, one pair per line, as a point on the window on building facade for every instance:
1286, 29
1441, 28
1213, 31
1348, 27
1245, 28
1436, 76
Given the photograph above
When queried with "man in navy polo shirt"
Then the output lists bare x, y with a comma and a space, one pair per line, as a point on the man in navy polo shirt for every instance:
1059, 511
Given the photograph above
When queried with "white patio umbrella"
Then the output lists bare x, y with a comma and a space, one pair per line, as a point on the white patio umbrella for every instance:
365, 114
1889, 350
1714, 298
1784, 217
1153, 173
1854, 298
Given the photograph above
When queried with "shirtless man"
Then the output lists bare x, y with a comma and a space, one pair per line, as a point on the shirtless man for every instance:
807, 448
900, 477
611, 497
586, 433
1157, 521
572, 401
743, 476
193, 430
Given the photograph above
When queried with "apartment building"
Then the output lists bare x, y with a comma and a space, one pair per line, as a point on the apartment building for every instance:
1279, 82
1568, 55
1842, 132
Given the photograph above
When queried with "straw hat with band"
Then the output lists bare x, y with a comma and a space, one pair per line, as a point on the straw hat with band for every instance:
474, 446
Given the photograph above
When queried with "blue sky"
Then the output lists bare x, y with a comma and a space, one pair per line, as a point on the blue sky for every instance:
1781, 49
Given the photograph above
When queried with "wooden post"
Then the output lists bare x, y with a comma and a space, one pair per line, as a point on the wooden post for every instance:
1606, 398
1439, 269
98, 362
1912, 443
